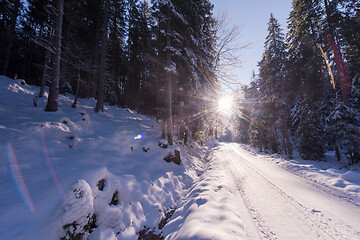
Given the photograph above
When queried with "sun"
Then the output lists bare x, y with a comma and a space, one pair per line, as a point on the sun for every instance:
225, 105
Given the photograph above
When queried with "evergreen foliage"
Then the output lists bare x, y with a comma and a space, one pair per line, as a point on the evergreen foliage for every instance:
345, 124
292, 100
145, 56
309, 132
269, 118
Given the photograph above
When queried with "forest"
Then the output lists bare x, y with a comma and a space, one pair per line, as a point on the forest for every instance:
144, 56
306, 95
164, 58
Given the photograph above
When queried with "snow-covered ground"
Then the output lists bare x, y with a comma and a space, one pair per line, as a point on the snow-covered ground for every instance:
247, 195
103, 175
62, 168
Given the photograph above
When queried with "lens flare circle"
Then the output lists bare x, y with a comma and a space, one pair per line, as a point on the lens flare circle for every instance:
140, 136
225, 105
51, 167
19, 179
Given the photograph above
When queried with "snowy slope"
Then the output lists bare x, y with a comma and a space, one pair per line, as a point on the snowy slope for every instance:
64, 167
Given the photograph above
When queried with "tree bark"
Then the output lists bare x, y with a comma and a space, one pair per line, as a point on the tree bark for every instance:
328, 17
102, 65
43, 78
129, 88
77, 88
52, 104
94, 77
337, 154
168, 79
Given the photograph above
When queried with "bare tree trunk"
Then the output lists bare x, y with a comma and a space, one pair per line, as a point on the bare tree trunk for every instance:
337, 153
284, 146
168, 97
52, 104
164, 129
94, 76
43, 78
15, 15
328, 17
288, 144
139, 98
102, 65
77, 88
129, 88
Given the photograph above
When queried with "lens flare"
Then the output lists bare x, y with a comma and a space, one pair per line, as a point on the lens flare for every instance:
328, 65
18, 178
140, 136
50, 166
340, 65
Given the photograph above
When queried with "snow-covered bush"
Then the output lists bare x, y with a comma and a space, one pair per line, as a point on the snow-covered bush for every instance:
78, 219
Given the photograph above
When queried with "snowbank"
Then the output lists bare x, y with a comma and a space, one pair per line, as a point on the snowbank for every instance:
344, 180
209, 211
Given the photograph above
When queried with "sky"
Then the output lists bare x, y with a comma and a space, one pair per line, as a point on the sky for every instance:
252, 16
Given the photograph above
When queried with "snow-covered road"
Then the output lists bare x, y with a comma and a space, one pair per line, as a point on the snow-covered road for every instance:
280, 205
271, 203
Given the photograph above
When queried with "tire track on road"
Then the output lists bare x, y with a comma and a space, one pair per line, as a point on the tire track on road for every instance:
303, 220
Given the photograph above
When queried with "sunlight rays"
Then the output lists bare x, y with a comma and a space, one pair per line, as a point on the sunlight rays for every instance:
225, 105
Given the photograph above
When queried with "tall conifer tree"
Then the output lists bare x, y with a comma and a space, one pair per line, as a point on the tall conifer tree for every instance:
52, 104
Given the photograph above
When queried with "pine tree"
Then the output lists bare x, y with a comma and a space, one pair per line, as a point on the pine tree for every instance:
258, 131
133, 81
117, 53
309, 131
77, 52
302, 83
139, 50
304, 57
167, 37
345, 124
52, 104
355, 91
14, 11
348, 25
272, 66
244, 104
148, 94
272, 85
37, 27
102, 58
